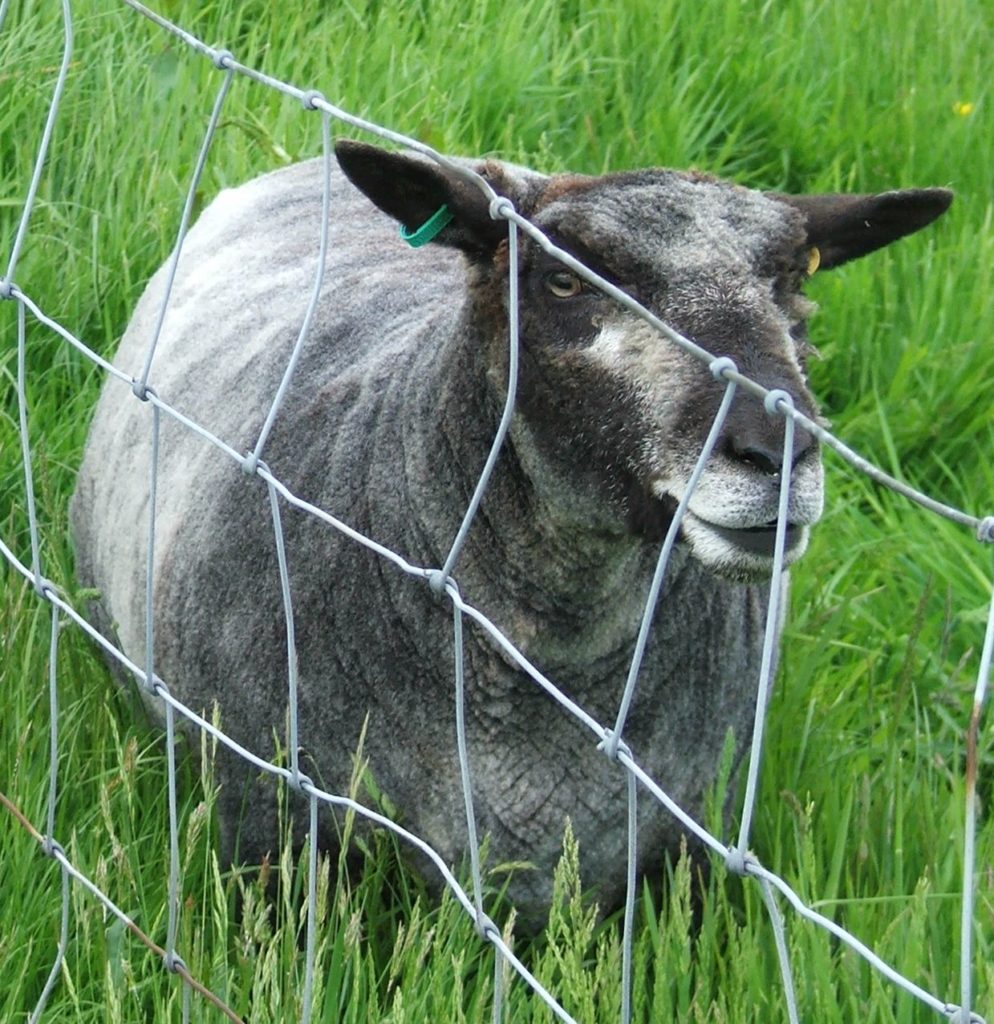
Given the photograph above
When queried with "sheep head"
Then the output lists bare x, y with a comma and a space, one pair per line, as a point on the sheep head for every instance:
611, 415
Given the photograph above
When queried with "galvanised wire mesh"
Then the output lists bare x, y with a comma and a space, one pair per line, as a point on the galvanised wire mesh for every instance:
609, 736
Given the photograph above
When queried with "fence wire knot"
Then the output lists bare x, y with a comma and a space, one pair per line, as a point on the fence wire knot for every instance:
985, 530
613, 746
486, 928
722, 367
778, 402
300, 782
154, 685
438, 582
501, 208
957, 1015
174, 963
142, 391
52, 847
311, 98
223, 59
738, 862
6, 288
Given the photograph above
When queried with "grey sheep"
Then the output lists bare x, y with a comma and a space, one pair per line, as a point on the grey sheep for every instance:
387, 424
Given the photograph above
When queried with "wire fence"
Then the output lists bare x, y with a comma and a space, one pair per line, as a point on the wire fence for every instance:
609, 736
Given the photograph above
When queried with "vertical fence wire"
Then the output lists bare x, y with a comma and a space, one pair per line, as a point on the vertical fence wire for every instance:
172, 924
293, 739
311, 942
783, 954
771, 636
46, 137
970, 824
253, 460
49, 843
171, 958
737, 858
56, 971
497, 1008
718, 368
53, 790
142, 382
22, 415
464, 769
297, 780
500, 208
631, 882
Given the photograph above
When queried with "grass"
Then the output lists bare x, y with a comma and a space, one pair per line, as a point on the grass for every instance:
862, 796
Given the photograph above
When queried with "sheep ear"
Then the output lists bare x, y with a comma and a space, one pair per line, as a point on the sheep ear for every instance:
844, 227
412, 189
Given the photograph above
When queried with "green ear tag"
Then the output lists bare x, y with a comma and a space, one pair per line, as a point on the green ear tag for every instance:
429, 230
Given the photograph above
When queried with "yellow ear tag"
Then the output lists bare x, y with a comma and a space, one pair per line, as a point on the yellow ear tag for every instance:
814, 260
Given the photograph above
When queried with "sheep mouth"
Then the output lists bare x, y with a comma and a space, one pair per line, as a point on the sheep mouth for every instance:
760, 540
734, 551
742, 553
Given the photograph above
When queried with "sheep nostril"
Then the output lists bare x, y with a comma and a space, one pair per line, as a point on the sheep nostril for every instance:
766, 461
765, 457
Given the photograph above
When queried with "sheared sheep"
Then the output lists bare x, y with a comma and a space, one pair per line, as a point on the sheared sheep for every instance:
387, 424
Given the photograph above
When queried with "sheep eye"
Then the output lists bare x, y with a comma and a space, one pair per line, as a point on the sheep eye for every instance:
564, 284
814, 260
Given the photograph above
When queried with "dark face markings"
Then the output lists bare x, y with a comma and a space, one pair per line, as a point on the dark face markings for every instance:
617, 407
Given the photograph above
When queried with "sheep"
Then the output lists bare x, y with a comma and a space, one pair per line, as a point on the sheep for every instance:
387, 423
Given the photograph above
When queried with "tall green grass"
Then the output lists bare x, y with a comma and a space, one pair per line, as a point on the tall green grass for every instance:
862, 795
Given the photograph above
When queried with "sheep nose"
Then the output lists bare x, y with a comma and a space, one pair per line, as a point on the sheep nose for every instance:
759, 444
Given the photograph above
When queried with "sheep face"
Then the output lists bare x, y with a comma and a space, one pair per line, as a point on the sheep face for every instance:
611, 416
614, 415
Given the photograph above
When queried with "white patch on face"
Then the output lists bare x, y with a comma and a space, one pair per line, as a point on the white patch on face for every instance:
731, 516
633, 351
615, 340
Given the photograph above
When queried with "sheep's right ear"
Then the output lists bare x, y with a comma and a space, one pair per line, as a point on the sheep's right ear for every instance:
412, 189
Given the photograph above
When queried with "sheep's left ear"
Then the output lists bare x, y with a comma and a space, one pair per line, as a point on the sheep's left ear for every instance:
844, 227
412, 190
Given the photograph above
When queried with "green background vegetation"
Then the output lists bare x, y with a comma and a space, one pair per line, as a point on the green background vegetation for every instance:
861, 806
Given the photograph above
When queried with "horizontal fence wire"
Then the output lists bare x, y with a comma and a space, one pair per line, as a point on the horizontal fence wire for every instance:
444, 580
